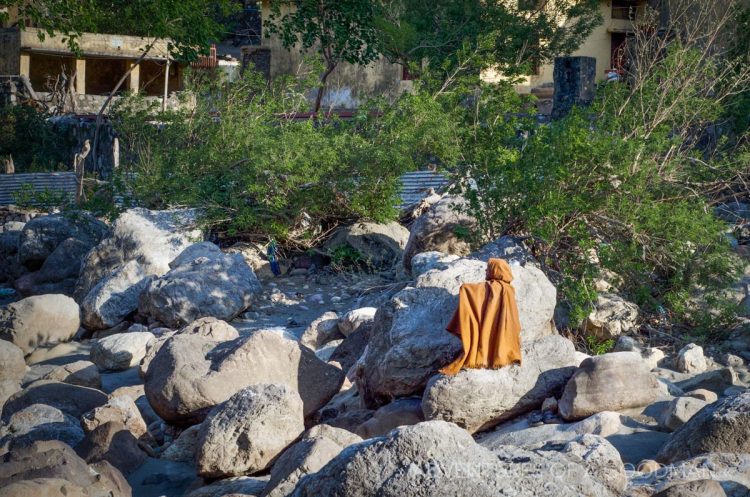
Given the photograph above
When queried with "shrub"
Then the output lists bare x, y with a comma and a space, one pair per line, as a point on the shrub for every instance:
33, 142
258, 172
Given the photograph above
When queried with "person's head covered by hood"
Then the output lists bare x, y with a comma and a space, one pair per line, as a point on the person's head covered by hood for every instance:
499, 270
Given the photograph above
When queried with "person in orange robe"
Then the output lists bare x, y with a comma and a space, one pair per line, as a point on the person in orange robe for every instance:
486, 321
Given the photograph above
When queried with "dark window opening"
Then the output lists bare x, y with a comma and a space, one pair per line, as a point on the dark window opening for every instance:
47, 71
625, 9
152, 78
103, 74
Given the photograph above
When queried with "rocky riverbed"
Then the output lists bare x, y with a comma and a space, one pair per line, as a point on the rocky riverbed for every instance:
139, 359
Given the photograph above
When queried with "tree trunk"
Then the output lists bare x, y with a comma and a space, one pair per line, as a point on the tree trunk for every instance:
112, 95
322, 88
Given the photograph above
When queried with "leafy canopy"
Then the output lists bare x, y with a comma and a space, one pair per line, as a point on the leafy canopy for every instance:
190, 25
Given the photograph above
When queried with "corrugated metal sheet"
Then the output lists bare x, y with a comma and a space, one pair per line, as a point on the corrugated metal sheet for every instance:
416, 185
11, 184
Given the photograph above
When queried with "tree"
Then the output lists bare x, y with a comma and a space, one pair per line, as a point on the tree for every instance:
509, 35
340, 30
189, 26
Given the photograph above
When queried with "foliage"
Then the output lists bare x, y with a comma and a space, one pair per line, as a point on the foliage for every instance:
340, 30
510, 36
32, 141
259, 172
346, 257
46, 200
626, 186
598, 346
191, 25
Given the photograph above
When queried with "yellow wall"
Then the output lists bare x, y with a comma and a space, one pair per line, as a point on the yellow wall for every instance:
350, 84
597, 45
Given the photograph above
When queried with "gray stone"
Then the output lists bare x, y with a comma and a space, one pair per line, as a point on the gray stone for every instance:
690, 359
191, 374
400, 412
720, 427
13, 365
438, 229
39, 320
210, 328
114, 297
114, 443
51, 465
73, 400
39, 422
42, 235
242, 486
153, 238
121, 351
355, 319
379, 245
697, 488
247, 432
184, 447
427, 261
409, 343
215, 284
440, 459
349, 351
120, 409
478, 399
732, 471
316, 448
608, 382
83, 373
59, 272
679, 412
611, 317
321, 331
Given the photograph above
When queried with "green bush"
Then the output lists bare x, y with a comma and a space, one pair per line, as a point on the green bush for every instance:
258, 172
34, 143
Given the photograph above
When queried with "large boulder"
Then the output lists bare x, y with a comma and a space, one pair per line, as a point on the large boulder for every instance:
441, 459
39, 422
247, 432
42, 235
400, 412
732, 471
379, 245
152, 238
720, 427
443, 228
39, 320
73, 400
114, 297
321, 331
192, 373
59, 272
609, 382
121, 351
52, 468
114, 443
409, 343
478, 399
315, 449
203, 282
83, 373
13, 370
611, 317
679, 412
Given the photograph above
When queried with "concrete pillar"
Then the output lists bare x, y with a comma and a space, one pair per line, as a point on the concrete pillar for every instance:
135, 78
25, 68
81, 76
575, 84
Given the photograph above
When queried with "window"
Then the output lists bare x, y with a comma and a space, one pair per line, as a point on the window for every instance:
624, 9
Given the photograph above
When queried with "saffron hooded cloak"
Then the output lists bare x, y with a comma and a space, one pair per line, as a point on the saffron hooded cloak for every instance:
487, 322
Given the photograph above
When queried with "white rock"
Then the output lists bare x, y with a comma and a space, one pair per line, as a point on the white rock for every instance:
121, 351
690, 359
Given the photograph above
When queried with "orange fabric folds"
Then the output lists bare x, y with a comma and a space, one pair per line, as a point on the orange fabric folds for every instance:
487, 322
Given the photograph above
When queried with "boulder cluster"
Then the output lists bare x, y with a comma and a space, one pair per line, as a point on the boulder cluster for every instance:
127, 370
